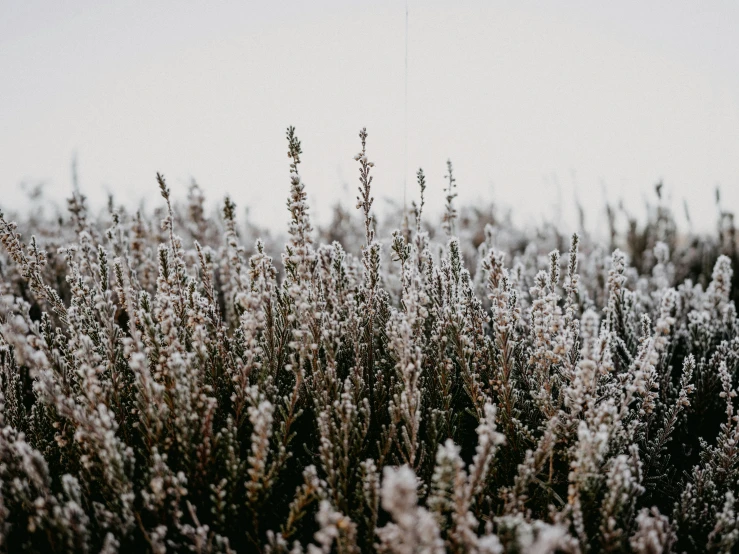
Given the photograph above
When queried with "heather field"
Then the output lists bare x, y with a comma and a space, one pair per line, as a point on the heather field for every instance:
406, 382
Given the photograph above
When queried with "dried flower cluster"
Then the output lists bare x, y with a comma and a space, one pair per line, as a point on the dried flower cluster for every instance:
171, 388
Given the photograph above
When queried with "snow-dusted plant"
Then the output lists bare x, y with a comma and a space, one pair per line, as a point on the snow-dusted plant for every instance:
174, 380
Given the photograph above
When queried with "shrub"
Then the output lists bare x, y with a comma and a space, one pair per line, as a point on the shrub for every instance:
170, 389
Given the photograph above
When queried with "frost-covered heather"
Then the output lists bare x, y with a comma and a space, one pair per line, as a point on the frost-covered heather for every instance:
454, 385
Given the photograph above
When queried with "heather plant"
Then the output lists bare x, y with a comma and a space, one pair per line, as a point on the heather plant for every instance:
168, 382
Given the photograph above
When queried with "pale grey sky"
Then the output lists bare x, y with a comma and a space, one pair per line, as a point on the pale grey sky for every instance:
529, 99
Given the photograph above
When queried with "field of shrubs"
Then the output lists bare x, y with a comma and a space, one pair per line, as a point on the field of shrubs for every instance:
420, 384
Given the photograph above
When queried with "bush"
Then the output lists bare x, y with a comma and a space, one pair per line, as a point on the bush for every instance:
172, 390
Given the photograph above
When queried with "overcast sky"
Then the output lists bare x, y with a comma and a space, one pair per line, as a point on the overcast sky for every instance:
532, 101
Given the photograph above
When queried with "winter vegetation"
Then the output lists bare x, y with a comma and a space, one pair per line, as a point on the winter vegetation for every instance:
456, 384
